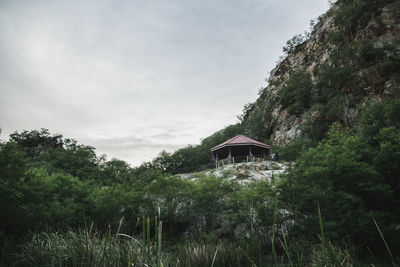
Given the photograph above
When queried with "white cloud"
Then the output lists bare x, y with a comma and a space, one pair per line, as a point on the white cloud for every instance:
134, 77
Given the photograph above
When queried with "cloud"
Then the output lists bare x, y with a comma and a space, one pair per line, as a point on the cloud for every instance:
161, 73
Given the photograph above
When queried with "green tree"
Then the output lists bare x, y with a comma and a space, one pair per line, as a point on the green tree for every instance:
78, 160
293, 43
339, 175
115, 171
296, 94
35, 142
377, 116
12, 175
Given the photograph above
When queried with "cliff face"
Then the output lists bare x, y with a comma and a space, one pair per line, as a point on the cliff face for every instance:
366, 54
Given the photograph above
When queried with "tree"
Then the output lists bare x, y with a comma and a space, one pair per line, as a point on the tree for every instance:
293, 43
78, 160
296, 94
35, 142
166, 162
12, 175
339, 175
115, 171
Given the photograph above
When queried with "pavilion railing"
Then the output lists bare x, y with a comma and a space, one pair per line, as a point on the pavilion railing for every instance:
233, 160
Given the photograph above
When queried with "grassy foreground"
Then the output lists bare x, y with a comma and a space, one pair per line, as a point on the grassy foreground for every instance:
88, 247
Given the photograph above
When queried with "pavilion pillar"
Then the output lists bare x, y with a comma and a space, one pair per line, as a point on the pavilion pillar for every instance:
230, 155
250, 154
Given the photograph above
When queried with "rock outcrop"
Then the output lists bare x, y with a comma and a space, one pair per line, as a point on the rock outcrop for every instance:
381, 29
243, 173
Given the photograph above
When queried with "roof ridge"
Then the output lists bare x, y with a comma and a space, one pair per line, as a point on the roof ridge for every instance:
242, 140
233, 138
229, 140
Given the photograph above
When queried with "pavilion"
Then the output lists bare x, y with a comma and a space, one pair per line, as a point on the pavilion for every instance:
240, 148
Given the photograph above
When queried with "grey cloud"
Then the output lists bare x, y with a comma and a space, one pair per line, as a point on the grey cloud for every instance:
164, 73
132, 149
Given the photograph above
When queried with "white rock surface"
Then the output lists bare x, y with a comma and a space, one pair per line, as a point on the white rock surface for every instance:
244, 172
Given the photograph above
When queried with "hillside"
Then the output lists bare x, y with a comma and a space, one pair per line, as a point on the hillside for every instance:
350, 57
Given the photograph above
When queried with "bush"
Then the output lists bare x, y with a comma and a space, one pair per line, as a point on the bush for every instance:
318, 119
388, 68
377, 116
296, 94
352, 14
367, 53
344, 175
332, 81
12, 175
292, 150
293, 43
335, 37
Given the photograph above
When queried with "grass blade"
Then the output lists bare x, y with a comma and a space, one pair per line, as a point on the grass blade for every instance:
273, 232
215, 256
285, 247
159, 233
148, 240
321, 226
384, 241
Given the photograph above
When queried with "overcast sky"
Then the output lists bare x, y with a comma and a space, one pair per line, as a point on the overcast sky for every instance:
132, 78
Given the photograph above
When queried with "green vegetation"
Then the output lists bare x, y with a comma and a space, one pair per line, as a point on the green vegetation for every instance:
354, 15
337, 205
296, 94
353, 177
293, 43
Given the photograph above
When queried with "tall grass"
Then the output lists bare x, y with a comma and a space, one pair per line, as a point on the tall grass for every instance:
325, 253
88, 247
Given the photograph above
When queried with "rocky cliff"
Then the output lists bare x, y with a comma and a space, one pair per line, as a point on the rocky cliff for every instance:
351, 57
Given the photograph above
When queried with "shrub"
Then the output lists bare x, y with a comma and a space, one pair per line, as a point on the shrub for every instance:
367, 53
332, 81
377, 116
335, 37
388, 68
296, 94
344, 176
292, 150
352, 14
293, 43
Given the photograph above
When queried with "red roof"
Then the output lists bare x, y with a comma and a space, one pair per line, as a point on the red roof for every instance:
239, 140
